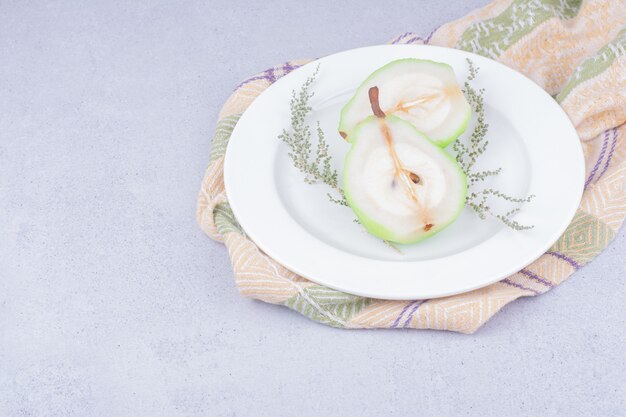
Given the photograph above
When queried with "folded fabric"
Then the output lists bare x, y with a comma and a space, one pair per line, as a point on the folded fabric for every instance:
575, 50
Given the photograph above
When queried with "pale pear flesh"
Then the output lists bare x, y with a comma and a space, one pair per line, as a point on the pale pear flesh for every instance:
421, 92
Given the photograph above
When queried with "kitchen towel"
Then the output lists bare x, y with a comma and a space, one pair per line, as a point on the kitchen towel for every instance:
576, 51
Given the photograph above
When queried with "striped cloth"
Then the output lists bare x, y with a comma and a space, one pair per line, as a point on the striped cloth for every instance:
575, 50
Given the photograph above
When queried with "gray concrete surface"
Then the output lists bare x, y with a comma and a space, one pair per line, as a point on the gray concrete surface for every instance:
113, 303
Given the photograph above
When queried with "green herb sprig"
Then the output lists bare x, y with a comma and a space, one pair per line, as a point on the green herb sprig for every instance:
467, 155
298, 138
318, 168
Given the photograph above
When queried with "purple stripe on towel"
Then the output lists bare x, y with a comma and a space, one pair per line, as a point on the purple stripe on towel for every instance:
397, 321
270, 74
430, 35
399, 38
608, 158
513, 284
414, 39
410, 316
536, 277
567, 259
600, 158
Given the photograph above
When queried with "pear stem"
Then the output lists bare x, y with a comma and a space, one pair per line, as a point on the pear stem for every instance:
373, 95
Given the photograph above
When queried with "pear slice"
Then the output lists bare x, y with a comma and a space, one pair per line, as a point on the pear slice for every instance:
424, 93
402, 187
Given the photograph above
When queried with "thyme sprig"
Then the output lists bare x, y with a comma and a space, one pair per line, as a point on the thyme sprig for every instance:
298, 138
467, 155
318, 168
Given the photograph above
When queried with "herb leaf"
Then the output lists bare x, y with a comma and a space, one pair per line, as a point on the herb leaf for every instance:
467, 155
316, 168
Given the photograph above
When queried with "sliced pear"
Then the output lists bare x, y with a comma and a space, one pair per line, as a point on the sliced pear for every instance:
402, 187
424, 93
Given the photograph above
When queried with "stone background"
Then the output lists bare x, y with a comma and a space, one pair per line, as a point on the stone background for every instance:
113, 302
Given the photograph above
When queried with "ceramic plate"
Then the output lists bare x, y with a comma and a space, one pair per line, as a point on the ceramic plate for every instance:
530, 137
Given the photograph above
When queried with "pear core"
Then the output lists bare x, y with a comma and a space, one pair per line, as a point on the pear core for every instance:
421, 92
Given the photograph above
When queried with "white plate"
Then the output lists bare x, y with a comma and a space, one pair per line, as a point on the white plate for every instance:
530, 137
